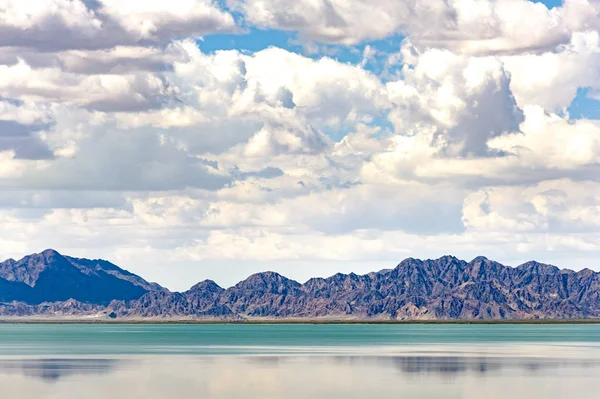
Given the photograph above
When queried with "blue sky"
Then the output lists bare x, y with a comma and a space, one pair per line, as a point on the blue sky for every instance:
583, 106
550, 3
253, 39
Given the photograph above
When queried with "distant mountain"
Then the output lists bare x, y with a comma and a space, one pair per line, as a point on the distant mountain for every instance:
52, 277
444, 288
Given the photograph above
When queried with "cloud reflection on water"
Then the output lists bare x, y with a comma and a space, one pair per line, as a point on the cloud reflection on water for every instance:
299, 377
52, 369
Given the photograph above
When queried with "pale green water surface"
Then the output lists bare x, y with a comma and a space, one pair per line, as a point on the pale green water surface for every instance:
299, 361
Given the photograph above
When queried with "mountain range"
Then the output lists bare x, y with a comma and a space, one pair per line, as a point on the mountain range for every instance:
49, 284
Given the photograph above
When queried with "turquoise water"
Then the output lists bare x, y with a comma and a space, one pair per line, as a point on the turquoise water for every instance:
81, 339
299, 361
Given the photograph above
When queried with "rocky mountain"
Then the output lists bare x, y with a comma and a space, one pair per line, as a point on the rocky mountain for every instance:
52, 277
203, 300
444, 288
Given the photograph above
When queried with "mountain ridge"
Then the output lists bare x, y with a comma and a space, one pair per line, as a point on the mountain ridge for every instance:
51, 277
445, 288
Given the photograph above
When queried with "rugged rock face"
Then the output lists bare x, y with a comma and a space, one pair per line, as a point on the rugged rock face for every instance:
265, 295
51, 277
58, 309
445, 288
202, 300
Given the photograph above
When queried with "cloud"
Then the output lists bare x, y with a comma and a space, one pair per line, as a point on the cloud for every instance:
103, 92
20, 125
462, 101
324, 90
119, 136
466, 26
104, 162
551, 79
409, 207
276, 138
143, 129
508, 26
552, 206
154, 19
103, 24
37, 23
546, 147
22, 139
35, 200
120, 59
553, 142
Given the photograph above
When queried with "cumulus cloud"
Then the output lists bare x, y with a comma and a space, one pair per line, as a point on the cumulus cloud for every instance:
208, 103
552, 206
75, 24
551, 79
409, 207
462, 101
275, 139
546, 146
553, 142
469, 26
103, 162
20, 127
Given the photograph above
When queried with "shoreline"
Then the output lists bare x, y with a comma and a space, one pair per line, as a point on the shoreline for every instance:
18, 320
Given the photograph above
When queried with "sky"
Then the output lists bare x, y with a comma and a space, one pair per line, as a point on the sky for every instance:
194, 139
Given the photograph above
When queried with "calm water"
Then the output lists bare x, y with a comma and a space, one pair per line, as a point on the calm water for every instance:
299, 361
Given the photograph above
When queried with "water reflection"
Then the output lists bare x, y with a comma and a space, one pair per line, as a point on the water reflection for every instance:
453, 365
294, 377
52, 370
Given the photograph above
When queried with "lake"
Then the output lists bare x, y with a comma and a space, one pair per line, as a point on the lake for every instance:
299, 361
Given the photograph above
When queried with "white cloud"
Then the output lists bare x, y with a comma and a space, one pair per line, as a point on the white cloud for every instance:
469, 26
155, 19
120, 59
326, 91
74, 24
461, 102
551, 79
120, 137
121, 161
509, 26
9, 166
276, 138
34, 13
409, 207
143, 129
552, 206
549, 141
545, 147
103, 92
26, 113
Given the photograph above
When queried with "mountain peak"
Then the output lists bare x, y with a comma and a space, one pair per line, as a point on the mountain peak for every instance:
50, 252
267, 276
206, 285
49, 276
587, 272
447, 257
267, 282
409, 262
29, 268
539, 267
